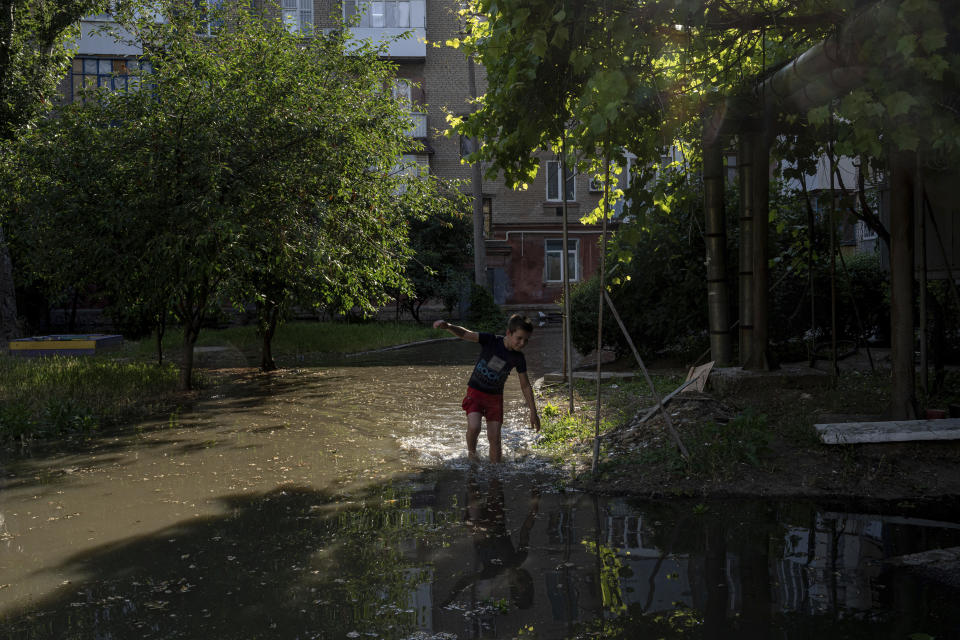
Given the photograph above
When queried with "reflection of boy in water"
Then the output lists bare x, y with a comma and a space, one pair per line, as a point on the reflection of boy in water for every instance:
498, 355
498, 556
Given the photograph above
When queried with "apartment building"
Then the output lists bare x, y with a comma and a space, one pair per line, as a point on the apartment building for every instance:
524, 248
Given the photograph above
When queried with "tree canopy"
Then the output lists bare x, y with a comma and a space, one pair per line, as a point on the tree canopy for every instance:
243, 166
33, 59
639, 75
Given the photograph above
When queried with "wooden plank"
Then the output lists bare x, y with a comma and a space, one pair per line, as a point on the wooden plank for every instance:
933, 556
890, 431
667, 399
696, 380
699, 375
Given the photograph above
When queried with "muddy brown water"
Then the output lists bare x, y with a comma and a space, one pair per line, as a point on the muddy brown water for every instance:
335, 502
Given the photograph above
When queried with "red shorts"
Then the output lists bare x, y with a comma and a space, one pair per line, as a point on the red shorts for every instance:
489, 405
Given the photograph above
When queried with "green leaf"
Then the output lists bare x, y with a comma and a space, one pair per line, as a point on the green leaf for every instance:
906, 45
906, 139
539, 44
933, 38
899, 103
598, 123
560, 37
818, 115
559, 16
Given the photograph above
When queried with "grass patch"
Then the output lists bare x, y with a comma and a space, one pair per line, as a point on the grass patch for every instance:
66, 396
563, 435
59, 396
718, 449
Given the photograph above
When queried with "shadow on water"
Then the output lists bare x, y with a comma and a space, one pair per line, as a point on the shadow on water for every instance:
482, 554
299, 508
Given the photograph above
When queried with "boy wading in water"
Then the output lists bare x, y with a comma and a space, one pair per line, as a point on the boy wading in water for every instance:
498, 355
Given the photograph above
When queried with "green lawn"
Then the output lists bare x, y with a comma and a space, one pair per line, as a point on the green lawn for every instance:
302, 337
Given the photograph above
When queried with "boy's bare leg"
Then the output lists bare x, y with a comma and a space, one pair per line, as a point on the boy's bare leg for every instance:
493, 437
473, 433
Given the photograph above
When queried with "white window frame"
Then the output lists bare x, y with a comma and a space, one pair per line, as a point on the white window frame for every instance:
402, 90
298, 16
553, 249
379, 14
554, 176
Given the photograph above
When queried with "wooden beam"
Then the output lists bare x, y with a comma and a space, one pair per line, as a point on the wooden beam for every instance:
889, 431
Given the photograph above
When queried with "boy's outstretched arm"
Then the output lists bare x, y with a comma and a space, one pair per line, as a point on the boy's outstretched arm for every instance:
528, 396
458, 331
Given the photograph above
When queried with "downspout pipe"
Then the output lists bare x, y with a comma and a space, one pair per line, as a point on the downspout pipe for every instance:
822, 73
826, 70
716, 246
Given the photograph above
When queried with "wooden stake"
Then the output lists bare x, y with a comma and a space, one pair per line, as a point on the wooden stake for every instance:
653, 390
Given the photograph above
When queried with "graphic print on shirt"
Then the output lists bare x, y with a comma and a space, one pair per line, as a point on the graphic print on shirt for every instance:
491, 370
494, 364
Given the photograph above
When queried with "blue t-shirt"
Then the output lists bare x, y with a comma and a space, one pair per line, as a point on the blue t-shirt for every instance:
494, 364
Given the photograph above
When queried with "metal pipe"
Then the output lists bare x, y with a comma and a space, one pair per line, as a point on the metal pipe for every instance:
745, 173
716, 250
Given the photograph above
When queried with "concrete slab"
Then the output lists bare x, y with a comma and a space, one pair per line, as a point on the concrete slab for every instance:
557, 376
727, 380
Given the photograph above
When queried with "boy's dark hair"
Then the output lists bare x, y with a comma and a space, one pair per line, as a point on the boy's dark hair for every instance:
518, 321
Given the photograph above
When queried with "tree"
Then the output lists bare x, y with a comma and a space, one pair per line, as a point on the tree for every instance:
33, 59
638, 74
437, 269
251, 166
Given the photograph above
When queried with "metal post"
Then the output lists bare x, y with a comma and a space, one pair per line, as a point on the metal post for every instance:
716, 245
746, 176
565, 271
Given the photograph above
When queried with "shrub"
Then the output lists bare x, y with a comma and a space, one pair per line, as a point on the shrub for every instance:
484, 314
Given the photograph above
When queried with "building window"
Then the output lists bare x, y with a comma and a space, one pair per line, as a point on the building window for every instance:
554, 171
553, 265
467, 146
402, 90
621, 181
211, 16
298, 16
379, 15
106, 73
488, 217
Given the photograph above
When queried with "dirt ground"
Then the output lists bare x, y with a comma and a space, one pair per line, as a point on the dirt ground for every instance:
791, 461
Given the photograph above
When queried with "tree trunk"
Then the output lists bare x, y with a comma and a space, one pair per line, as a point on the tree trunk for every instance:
74, 303
476, 182
190, 333
902, 394
161, 331
716, 244
8, 297
268, 327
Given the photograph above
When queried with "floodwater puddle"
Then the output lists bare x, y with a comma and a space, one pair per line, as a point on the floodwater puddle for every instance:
336, 502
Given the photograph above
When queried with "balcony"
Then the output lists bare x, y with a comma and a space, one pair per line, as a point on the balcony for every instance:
383, 21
